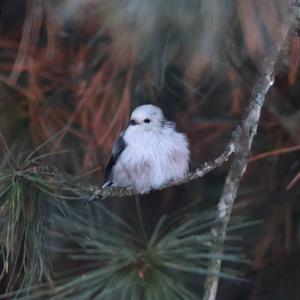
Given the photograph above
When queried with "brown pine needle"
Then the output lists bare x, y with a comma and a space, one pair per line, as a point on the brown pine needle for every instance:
293, 181
274, 153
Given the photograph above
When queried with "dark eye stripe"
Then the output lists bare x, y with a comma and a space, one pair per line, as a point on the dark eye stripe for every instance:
132, 122
147, 121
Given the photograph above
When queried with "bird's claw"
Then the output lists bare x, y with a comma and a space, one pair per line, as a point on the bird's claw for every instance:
95, 195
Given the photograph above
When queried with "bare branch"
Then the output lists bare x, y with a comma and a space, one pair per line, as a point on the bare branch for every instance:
115, 191
198, 173
238, 167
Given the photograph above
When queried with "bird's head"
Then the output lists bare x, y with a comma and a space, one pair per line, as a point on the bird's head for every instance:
147, 117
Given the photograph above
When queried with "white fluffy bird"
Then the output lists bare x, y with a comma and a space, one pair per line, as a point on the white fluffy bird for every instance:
148, 153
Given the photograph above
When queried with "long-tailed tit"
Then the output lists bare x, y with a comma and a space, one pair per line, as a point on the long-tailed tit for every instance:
148, 153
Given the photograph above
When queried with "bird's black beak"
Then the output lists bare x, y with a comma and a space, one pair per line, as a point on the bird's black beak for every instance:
132, 122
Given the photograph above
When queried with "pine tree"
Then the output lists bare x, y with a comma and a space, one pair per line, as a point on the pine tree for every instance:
71, 72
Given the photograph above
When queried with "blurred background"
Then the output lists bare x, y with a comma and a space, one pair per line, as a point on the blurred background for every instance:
78, 68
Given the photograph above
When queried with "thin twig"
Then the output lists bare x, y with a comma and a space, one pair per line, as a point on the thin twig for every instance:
205, 168
115, 191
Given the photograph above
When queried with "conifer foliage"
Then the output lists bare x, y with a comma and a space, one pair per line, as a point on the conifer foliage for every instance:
71, 72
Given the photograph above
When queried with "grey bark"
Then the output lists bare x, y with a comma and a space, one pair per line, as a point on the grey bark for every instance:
243, 144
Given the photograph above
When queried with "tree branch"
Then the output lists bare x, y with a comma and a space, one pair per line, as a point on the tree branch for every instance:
238, 167
115, 191
205, 168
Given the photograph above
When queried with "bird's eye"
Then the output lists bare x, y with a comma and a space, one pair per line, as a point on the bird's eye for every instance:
147, 121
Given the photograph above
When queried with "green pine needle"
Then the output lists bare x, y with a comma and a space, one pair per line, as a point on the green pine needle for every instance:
25, 198
120, 265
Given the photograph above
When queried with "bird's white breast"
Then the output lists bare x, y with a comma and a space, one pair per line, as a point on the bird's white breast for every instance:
151, 159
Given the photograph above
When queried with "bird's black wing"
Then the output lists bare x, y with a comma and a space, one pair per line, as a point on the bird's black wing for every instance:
117, 149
